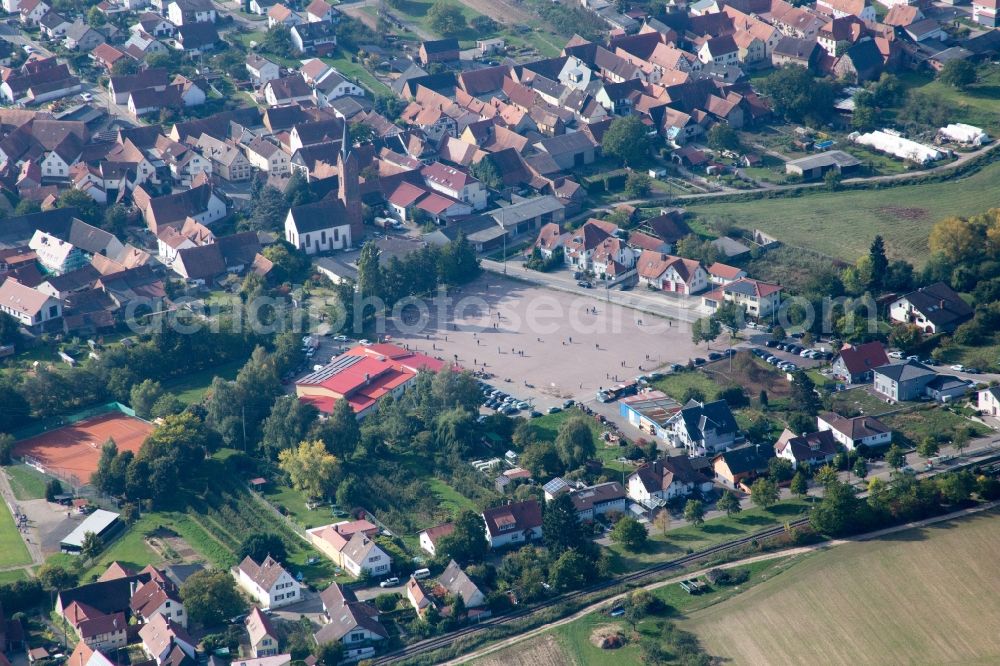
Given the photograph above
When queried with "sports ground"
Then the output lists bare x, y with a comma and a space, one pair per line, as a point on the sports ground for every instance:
72, 451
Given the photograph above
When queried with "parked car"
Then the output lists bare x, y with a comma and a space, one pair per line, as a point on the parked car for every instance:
554, 410
895, 354
86, 97
958, 367
714, 356
389, 582
699, 361
584, 284
770, 344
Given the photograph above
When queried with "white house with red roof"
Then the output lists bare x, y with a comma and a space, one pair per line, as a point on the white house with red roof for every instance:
455, 184
719, 273
759, 299
669, 273
513, 524
856, 363
364, 375
268, 583
430, 537
350, 546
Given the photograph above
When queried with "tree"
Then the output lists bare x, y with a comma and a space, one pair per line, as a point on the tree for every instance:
960, 440
258, 546
483, 25
341, 432
729, 503
127, 66
837, 513
88, 210
53, 489
905, 337
467, 543
860, 468
561, 529
445, 18
488, 173
662, 521
694, 512
10, 329
879, 264
928, 447
116, 216
571, 571
626, 140
798, 96
289, 423
143, 396
799, 485
96, 18
270, 208
311, 468
541, 459
457, 262
290, 263
723, 137
954, 238
803, 394
764, 493
956, 487
575, 442
826, 475
330, 653
6, 448
780, 469
958, 73
56, 577
637, 185
705, 330
91, 545
278, 41
630, 533
894, 457
27, 207
210, 596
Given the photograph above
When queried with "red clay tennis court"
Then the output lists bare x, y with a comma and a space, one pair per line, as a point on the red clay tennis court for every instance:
72, 452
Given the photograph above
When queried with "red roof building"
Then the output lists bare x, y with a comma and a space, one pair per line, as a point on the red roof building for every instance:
363, 375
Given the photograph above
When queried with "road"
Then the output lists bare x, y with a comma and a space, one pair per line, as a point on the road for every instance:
356, 10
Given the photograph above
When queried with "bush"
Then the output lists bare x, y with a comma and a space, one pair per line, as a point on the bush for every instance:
387, 602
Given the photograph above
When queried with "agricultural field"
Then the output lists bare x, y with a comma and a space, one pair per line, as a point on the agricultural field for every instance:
843, 224
926, 596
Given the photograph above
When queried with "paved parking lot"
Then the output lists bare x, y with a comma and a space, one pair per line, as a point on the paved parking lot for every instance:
544, 344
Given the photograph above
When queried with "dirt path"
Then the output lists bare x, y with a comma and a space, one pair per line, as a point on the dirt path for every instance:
758, 558
32, 544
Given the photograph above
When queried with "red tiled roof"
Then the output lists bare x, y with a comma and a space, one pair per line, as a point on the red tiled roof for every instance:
862, 358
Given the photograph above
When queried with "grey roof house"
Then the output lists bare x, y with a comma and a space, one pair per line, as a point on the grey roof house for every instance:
704, 428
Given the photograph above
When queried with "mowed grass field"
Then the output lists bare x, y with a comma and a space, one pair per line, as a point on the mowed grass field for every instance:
926, 596
13, 552
843, 224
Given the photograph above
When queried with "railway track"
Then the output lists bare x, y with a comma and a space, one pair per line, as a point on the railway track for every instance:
431, 644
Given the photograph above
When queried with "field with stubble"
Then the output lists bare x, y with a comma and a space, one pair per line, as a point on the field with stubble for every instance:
925, 596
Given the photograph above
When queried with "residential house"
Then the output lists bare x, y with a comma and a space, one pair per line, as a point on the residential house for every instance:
863, 9
855, 364
945, 388
319, 11
53, 25
55, 254
261, 70
167, 643
989, 401
106, 55
184, 12
228, 161
758, 299
598, 500
814, 449
855, 431
351, 546
458, 584
721, 274
704, 428
861, 62
649, 411
804, 53
655, 483
906, 380
32, 11
737, 468
287, 90
666, 272
196, 37
513, 524
719, 51
262, 634
269, 157
570, 150
268, 583
279, 14
80, 36
38, 81
418, 596
314, 38
332, 86
349, 621
260, 7
97, 630
936, 308
984, 12
153, 25
120, 87
430, 537
455, 184
199, 203
441, 50
158, 596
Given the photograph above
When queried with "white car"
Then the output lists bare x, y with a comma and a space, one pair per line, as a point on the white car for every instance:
895, 354
958, 367
86, 97
389, 582
29, 49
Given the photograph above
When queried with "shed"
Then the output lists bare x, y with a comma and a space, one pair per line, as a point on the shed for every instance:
104, 524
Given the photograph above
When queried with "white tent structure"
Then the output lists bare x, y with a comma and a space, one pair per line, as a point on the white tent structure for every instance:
964, 134
903, 148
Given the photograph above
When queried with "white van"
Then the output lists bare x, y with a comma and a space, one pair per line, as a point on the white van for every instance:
421, 574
